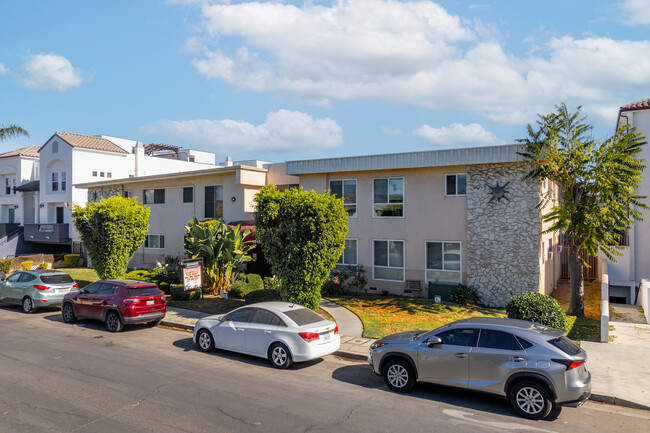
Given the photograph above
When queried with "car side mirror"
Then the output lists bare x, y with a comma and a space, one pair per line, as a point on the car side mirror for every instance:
82, 291
433, 341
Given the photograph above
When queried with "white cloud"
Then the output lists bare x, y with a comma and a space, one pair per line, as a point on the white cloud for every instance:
51, 72
411, 53
283, 130
389, 130
635, 12
458, 135
4, 70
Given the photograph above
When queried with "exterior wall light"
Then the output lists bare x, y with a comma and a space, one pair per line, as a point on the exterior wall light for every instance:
233, 199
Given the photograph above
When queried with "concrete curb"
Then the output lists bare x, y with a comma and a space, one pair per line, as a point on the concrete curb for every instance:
610, 399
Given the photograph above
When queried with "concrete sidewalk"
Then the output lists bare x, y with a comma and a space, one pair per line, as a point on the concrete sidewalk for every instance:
618, 370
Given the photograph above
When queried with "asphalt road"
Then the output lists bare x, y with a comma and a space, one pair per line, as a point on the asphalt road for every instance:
81, 378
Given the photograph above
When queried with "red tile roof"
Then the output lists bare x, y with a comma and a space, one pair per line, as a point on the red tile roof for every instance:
641, 105
89, 142
31, 151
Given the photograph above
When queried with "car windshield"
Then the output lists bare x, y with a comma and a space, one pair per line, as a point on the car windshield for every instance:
303, 316
57, 279
144, 291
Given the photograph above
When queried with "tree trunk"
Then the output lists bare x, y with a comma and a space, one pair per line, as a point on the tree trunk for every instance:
576, 267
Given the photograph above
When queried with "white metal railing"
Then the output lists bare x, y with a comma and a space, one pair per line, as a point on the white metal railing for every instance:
604, 301
644, 298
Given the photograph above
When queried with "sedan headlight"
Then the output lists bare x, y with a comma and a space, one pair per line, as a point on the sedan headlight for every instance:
376, 345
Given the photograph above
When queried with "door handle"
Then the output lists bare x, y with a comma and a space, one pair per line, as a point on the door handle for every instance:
267, 332
461, 355
240, 329
517, 358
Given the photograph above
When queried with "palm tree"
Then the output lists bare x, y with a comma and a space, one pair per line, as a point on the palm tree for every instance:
11, 131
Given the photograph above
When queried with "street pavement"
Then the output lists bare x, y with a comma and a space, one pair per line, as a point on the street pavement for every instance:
79, 377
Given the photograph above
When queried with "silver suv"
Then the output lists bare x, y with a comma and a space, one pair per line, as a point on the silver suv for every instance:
535, 367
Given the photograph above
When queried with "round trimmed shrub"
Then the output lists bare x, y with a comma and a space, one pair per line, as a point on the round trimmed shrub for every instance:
263, 295
71, 260
465, 295
535, 307
179, 293
245, 284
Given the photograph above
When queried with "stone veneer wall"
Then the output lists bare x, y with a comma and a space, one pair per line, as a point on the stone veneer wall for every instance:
98, 194
502, 237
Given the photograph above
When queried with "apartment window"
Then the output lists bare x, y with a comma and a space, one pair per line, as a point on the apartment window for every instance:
188, 194
388, 261
109, 175
388, 197
443, 260
127, 194
10, 184
63, 182
55, 181
55, 146
94, 174
349, 256
346, 188
214, 201
456, 184
154, 196
155, 241
101, 174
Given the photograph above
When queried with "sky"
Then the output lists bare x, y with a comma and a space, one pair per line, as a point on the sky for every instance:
291, 80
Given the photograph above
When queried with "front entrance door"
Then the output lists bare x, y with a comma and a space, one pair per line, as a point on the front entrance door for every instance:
11, 217
59, 215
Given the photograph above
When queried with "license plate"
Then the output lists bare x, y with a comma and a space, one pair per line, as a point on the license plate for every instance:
326, 336
149, 302
60, 290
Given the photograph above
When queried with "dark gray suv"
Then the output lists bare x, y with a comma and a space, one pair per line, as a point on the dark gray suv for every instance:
535, 367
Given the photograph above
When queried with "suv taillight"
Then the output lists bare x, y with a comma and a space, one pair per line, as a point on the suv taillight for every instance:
308, 336
336, 330
568, 364
131, 301
39, 287
75, 286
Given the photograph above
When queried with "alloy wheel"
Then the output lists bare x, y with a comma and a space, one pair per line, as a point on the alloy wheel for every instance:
279, 355
530, 400
397, 375
205, 341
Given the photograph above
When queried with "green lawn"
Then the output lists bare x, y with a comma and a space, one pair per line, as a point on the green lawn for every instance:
83, 276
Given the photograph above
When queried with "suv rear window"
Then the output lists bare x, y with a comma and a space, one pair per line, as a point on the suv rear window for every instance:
144, 291
303, 316
57, 279
565, 345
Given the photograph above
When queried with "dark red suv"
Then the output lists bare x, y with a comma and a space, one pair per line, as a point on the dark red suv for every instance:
116, 302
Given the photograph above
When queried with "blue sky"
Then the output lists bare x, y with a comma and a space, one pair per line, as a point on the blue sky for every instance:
287, 80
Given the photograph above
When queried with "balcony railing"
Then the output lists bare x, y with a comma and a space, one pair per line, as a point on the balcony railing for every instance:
47, 233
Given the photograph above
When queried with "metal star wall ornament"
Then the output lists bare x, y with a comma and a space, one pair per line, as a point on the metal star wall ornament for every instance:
498, 192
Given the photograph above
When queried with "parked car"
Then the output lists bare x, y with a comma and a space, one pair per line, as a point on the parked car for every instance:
535, 367
279, 331
35, 289
116, 303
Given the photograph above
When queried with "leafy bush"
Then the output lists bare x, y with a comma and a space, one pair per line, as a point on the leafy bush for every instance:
5, 265
302, 234
263, 295
44, 265
335, 283
535, 307
173, 265
111, 230
71, 260
271, 283
178, 293
465, 295
245, 284
140, 274
358, 281
27, 266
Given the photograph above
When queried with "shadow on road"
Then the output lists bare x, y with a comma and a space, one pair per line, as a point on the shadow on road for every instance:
363, 376
96, 325
189, 346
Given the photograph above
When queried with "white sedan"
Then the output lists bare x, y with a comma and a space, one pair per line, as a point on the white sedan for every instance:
279, 331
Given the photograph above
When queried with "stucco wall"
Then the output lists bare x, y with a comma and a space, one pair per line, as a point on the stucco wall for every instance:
503, 237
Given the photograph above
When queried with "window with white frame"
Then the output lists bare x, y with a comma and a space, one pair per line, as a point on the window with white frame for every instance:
346, 188
443, 262
153, 196
10, 184
55, 181
349, 256
59, 181
388, 197
388, 260
456, 184
155, 241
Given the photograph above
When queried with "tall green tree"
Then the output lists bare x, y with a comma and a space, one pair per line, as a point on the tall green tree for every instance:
222, 248
111, 231
598, 183
11, 131
302, 235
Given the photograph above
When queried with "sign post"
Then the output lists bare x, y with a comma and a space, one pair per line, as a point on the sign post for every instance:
193, 275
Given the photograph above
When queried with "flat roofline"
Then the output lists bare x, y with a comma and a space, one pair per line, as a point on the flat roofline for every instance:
391, 161
169, 176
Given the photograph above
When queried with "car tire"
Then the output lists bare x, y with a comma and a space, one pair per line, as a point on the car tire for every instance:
205, 341
399, 375
67, 311
154, 323
113, 322
279, 356
530, 400
28, 305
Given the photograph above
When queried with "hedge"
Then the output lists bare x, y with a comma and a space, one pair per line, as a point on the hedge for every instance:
535, 307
